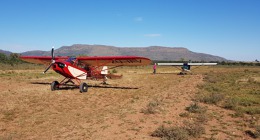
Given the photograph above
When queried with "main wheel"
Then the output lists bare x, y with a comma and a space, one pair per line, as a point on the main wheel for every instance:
54, 85
83, 87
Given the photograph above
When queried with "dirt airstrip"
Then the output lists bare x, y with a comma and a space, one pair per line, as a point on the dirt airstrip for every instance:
119, 110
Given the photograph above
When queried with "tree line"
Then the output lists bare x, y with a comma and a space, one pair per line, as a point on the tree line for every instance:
12, 59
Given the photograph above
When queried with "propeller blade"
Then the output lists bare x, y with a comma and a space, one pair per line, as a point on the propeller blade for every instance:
52, 60
48, 68
52, 53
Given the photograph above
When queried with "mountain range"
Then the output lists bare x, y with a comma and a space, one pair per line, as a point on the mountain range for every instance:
5, 52
152, 52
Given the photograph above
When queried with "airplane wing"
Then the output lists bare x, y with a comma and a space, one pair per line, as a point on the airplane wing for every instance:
40, 59
170, 64
202, 64
190, 64
114, 61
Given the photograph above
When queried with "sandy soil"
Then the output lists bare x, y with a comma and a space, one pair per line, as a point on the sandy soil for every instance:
29, 110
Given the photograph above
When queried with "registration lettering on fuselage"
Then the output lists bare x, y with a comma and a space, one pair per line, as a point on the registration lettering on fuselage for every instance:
127, 61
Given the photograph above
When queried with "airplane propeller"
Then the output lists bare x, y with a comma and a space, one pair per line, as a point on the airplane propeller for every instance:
52, 61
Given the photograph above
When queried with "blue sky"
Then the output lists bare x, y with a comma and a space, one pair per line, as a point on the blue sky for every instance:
226, 28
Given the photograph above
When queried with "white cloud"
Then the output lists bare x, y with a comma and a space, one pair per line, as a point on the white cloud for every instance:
152, 35
138, 19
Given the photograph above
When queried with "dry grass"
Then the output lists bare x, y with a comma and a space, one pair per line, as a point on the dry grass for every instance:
234, 88
29, 110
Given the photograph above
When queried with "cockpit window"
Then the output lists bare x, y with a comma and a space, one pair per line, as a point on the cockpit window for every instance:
71, 60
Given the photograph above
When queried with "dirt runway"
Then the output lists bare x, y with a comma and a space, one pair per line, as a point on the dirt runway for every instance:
119, 110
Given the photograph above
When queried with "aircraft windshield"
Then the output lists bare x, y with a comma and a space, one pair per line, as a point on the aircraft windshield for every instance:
71, 60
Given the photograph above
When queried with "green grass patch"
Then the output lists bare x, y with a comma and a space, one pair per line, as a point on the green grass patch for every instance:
236, 89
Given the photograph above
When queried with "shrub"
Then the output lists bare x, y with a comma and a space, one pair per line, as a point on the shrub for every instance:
231, 103
114, 71
195, 129
195, 108
179, 133
171, 133
202, 118
152, 107
184, 114
254, 134
212, 98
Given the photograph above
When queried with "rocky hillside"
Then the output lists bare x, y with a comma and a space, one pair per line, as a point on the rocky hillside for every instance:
152, 52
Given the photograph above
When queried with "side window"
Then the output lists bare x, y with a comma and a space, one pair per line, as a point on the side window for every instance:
61, 65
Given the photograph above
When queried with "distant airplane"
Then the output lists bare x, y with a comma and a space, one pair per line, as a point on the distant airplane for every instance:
75, 69
185, 67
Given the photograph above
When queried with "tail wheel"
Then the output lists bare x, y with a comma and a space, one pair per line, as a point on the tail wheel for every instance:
83, 87
54, 85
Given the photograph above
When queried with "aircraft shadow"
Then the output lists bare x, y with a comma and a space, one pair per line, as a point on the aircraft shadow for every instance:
90, 86
114, 87
166, 73
40, 83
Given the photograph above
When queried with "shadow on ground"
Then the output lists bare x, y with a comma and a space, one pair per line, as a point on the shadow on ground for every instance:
68, 87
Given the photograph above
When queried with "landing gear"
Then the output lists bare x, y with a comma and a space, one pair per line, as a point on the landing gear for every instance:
83, 87
104, 80
54, 85
67, 83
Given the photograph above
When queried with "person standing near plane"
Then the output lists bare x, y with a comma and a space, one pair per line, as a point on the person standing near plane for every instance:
154, 68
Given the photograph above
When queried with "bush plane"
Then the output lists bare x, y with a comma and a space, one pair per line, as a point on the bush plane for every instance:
185, 67
75, 69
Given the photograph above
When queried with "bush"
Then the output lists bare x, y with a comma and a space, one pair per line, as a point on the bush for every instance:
184, 114
202, 118
195, 129
212, 98
171, 133
231, 103
114, 71
254, 134
179, 133
195, 108
152, 107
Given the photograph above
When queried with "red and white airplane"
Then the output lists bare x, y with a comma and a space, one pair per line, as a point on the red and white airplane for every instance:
75, 69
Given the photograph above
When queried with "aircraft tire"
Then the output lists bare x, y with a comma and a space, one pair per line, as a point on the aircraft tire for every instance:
83, 87
54, 85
